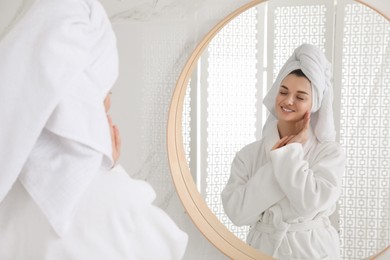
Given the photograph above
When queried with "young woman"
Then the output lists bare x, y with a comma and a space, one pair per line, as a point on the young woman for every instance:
286, 185
61, 194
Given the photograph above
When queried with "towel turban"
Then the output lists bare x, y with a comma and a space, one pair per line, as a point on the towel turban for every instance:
57, 64
313, 63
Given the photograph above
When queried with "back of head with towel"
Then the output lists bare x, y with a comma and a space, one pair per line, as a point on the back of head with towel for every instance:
57, 65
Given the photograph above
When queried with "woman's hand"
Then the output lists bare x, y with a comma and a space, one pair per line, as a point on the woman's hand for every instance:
303, 135
115, 140
282, 142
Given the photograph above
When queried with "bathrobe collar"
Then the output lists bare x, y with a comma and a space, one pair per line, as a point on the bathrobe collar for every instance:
272, 136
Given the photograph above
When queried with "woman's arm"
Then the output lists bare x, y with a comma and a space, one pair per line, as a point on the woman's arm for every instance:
248, 194
314, 189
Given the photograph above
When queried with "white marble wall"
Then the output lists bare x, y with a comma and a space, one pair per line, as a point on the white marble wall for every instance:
155, 38
154, 45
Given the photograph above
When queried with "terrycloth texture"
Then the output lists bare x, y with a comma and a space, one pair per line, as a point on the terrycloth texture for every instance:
286, 196
116, 220
317, 68
56, 66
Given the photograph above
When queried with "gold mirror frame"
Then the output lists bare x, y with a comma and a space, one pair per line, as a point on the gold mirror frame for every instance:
193, 202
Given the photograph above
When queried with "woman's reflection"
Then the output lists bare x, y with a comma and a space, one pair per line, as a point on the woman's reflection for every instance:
286, 185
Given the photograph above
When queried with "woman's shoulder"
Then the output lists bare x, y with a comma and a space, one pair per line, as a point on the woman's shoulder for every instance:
254, 152
329, 149
252, 147
117, 186
330, 146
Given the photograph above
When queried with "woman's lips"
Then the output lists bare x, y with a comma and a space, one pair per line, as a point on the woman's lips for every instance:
287, 110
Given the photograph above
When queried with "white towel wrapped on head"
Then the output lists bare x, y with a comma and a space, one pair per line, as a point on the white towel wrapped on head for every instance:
57, 65
313, 63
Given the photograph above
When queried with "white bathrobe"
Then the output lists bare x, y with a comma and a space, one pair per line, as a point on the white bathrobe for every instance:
58, 198
115, 221
286, 196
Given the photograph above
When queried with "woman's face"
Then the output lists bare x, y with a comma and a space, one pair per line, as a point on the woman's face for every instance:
293, 99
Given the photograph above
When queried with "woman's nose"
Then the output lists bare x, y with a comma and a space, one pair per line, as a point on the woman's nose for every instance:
289, 100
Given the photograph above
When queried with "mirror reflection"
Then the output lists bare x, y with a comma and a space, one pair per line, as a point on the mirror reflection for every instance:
224, 106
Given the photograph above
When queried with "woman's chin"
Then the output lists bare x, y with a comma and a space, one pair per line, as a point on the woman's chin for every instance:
289, 118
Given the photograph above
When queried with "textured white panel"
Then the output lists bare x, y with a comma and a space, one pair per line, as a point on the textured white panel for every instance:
186, 125
365, 132
231, 105
294, 23
228, 108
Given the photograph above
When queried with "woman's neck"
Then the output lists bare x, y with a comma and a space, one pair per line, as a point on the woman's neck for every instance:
289, 128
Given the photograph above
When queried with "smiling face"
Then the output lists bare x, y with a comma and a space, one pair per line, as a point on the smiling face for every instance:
293, 99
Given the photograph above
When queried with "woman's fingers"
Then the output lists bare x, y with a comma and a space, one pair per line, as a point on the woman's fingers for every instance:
301, 137
306, 121
111, 130
289, 139
278, 143
282, 142
115, 140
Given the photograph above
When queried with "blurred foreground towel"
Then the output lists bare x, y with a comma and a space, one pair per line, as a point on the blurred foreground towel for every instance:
56, 66
115, 221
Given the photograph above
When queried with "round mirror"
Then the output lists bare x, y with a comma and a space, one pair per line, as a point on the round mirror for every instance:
217, 109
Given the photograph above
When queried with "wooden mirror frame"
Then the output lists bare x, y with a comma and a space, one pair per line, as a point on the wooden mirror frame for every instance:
193, 202
195, 205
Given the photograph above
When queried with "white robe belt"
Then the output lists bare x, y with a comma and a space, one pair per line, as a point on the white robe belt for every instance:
279, 229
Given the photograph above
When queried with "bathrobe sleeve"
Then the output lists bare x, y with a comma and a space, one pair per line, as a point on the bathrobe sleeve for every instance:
139, 229
314, 188
116, 220
250, 189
